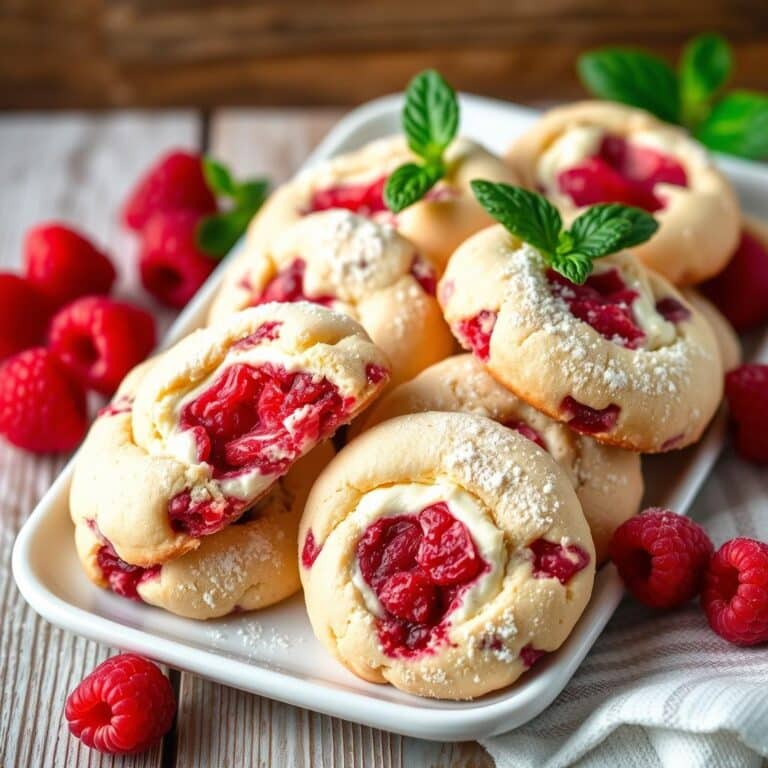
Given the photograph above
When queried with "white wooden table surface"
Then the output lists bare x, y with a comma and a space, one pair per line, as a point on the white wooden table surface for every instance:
77, 168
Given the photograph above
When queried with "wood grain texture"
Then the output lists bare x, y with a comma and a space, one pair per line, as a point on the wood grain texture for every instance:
213, 53
259, 731
73, 168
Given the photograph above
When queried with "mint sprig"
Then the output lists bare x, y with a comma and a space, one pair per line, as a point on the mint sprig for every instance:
632, 77
216, 234
430, 122
599, 231
692, 96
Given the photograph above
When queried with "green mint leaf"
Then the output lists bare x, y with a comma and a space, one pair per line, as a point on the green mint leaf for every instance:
217, 234
430, 115
609, 227
252, 194
574, 265
409, 183
632, 77
218, 177
525, 214
738, 125
602, 239
705, 66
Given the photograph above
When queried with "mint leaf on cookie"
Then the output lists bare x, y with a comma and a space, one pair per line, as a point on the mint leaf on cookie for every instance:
599, 231
430, 123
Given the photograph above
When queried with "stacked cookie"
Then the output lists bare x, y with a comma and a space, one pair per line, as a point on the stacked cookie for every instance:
188, 489
453, 541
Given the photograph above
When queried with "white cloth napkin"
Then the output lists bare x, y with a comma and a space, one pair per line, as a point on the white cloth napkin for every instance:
663, 689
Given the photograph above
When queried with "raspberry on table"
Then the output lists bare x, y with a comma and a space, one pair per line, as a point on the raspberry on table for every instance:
23, 315
42, 409
64, 265
175, 182
99, 340
740, 291
734, 595
746, 388
124, 706
172, 265
661, 557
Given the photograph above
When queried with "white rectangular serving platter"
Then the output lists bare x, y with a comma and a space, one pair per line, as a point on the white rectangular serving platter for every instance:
273, 652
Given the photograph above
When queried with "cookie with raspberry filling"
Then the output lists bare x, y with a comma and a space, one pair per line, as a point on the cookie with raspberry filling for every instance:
598, 152
215, 421
354, 265
607, 480
249, 565
623, 358
444, 553
355, 182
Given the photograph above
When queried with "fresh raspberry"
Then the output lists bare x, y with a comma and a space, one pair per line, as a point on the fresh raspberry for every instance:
23, 315
99, 340
175, 182
42, 409
735, 592
124, 706
63, 265
740, 291
172, 266
661, 557
746, 388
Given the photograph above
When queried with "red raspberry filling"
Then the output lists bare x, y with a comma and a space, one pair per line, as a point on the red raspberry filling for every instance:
526, 431
588, 420
261, 418
474, 333
622, 172
530, 655
604, 302
310, 550
202, 518
123, 578
418, 566
288, 286
672, 310
424, 275
268, 331
365, 199
556, 561
253, 418
375, 373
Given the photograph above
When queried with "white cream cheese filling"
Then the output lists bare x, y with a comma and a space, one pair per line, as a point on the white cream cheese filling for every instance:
410, 499
658, 331
569, 149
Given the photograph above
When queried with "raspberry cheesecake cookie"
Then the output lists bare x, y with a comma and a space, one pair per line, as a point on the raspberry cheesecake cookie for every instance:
727, 341
213, 422
623, 357
354, 265
246, 566
444, 553
355, 182
607, 480
599, 152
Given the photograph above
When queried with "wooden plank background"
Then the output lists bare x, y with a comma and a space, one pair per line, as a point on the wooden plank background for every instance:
78, 167
208, 53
